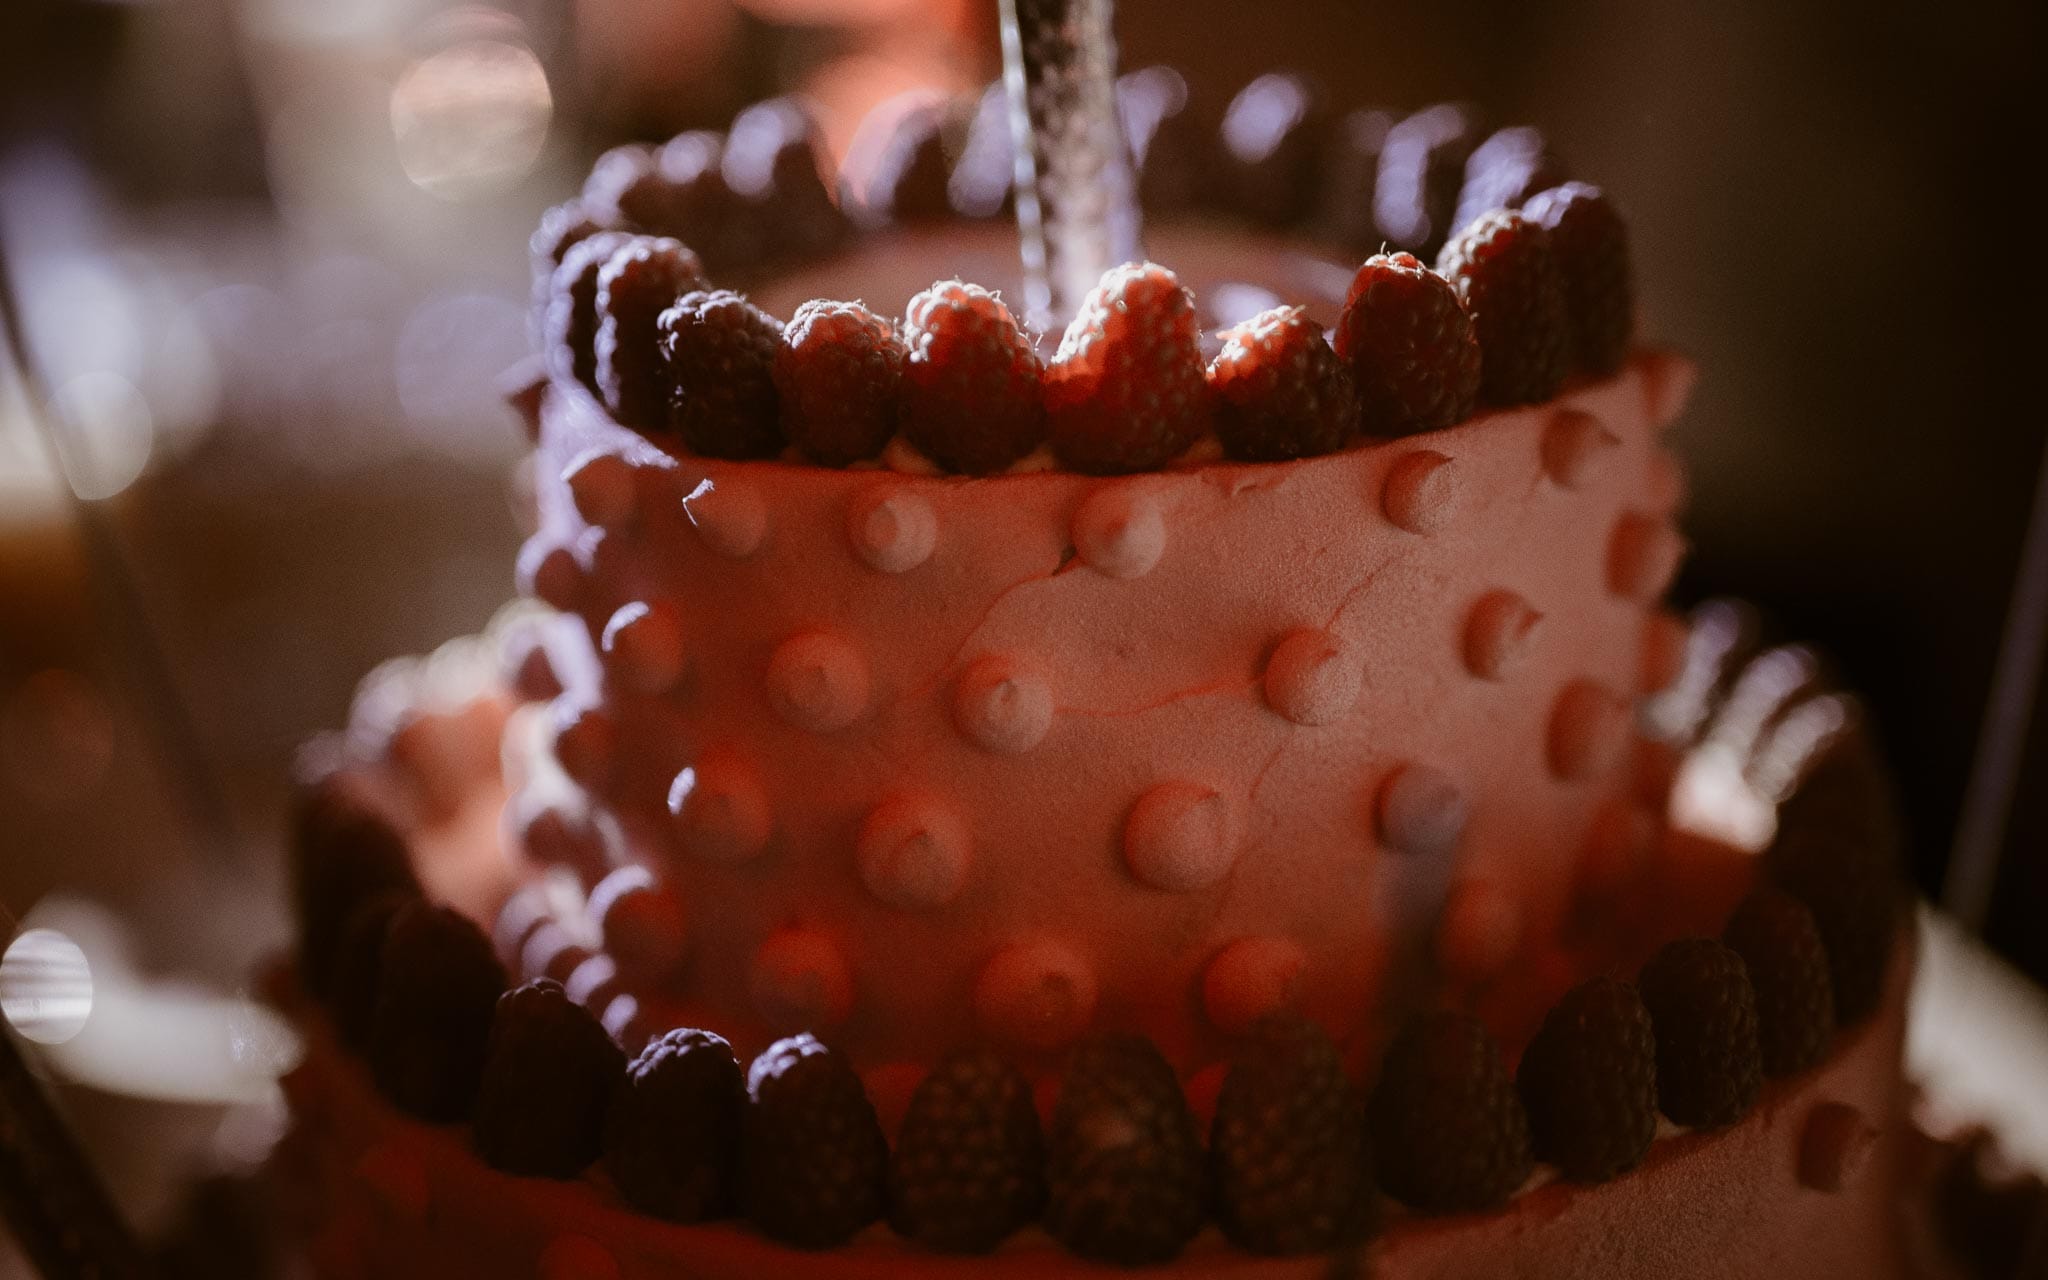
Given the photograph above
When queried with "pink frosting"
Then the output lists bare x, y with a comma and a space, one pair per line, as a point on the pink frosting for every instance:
927, 758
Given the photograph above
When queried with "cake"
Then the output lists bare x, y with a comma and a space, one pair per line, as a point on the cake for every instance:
1198, 798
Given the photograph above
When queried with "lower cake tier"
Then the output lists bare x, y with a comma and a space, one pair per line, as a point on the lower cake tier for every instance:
1810, 1183
417, 1152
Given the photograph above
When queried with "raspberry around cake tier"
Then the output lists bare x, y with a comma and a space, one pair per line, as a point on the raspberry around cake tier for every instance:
924, 759
1808, 1186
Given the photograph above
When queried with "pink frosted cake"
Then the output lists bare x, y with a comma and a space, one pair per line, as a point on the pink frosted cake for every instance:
1183, 798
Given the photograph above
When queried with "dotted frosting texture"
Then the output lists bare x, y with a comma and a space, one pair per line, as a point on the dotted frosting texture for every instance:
923, 758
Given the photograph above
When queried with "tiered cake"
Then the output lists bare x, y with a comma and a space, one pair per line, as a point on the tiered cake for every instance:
1114, 800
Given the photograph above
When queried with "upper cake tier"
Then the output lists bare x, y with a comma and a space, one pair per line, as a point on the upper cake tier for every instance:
919, 759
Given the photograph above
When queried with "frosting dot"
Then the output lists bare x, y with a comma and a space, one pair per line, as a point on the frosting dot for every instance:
1575, 445
1480, 930
548, 572
1668, 380
892, 529
1665, 637
1003, 706
602, 487
586, 742
1835, 1146
397, 1178
643, 645
1420, 811
1587, 729
1251, 978
800, 981
640, 921
1181, 836
720, 808
913, 852
572, 1257
1310, 679
1498, 634
817, 682
1120, 531
730, 516
1422, 492
1036, 994
1642, 556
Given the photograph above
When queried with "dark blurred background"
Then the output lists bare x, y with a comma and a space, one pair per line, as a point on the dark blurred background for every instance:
272, 258
272, 253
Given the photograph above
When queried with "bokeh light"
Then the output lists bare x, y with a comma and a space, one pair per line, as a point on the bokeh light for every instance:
470, 120
45, 986
109, 432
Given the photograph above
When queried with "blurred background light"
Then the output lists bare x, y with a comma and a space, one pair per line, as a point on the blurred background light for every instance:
45, 986
450, 355
109, 431
470, 120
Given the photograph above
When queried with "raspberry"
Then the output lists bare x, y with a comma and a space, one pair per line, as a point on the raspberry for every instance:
1503, 270
982, 181
1852, 888
636, 284
1448, 1131
836, 375
718, 350
1174, 155
1590, 242
909, 179
1704, 1011
1280, 391
438, 984
1844, 791
1413, 352
813, 1160
342, 856
548, 1080
971, 381
1287, 1149
1123, 1156
1503, 172
1422, 167
358, 962
561, 227
672, 1140
1274, 132
570, 325
969, 1165
683, 192
1589, 1081
1780, 945
611, 175
771, 163
1125, 391
1351, 166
